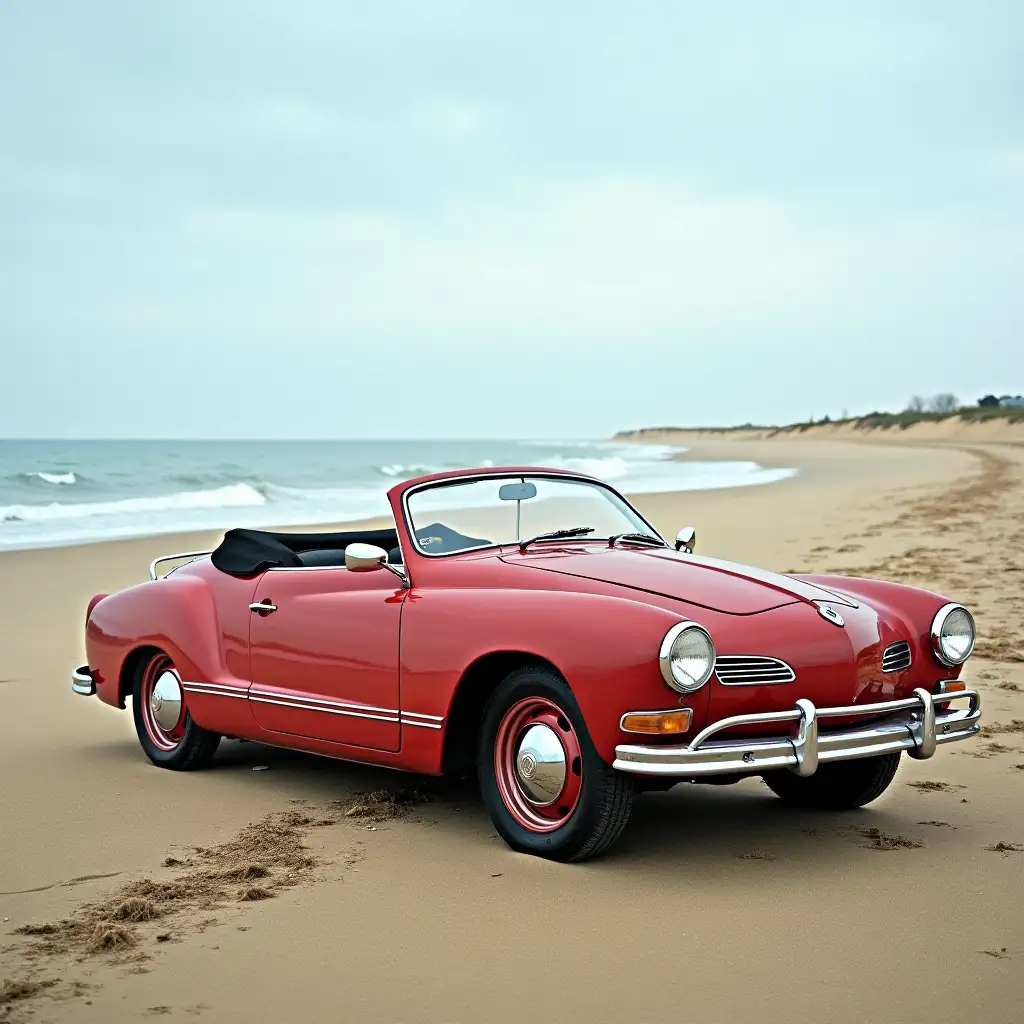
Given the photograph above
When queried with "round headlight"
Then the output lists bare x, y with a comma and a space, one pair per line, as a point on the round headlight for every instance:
953, 634
687, 657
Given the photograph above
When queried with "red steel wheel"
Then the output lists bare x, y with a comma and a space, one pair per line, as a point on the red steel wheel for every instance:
164, 713
167, 732
538, 764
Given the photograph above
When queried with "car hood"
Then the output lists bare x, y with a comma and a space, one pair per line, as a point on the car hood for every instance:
708, 582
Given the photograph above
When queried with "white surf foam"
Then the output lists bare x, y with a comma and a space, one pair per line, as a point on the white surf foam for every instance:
62, 479
231, 496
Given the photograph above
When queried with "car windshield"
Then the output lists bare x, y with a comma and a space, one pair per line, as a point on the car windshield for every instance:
457, 516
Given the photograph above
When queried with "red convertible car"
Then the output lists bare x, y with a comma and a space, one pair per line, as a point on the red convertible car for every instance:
531, 625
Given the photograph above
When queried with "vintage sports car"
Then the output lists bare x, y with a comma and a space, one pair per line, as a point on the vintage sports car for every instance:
531, 625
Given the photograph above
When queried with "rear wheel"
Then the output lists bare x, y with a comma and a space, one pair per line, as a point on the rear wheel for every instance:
167, 733
840, 786
544, 785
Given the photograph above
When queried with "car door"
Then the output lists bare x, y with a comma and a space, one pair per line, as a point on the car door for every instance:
324, 655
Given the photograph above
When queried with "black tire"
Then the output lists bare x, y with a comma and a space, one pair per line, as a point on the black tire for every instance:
605, 796
193, 746
840, 786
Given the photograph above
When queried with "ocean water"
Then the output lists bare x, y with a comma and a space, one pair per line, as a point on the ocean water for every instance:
70, 492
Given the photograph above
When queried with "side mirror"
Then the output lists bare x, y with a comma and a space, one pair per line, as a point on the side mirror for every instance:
364, 557
686, 539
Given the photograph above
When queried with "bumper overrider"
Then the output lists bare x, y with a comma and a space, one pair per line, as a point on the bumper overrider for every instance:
915, 725
82, 681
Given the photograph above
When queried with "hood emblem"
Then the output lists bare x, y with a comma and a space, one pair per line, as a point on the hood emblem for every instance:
826, 611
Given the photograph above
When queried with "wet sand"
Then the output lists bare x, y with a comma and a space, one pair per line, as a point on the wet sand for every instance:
271, 888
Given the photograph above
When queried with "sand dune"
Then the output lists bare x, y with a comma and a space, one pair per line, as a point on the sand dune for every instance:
279, 887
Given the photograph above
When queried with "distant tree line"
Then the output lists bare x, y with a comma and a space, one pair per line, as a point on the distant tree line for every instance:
944, 402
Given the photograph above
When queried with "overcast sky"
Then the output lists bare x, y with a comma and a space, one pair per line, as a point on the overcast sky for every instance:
465, 219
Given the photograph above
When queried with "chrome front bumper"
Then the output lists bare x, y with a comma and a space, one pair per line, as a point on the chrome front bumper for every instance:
82, 681
913, 725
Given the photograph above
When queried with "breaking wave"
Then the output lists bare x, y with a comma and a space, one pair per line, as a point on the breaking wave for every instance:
62, 479
232, 496
145, 489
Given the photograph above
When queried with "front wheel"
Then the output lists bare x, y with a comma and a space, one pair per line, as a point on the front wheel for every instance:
840, 786
544, 785
169, 736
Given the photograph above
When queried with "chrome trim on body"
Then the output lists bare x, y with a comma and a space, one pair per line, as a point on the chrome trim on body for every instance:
82, 681
300, 706
897, 657
752, 670
912, 724
191, 555
310, 703
332, 707
215, 689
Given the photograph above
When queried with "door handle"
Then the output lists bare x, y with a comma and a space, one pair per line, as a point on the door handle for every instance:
264, 607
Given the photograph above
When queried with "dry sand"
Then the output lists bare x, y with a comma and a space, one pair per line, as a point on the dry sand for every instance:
285, 895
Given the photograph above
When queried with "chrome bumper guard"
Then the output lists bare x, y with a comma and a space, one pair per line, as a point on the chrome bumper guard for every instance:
913, 725
82, 681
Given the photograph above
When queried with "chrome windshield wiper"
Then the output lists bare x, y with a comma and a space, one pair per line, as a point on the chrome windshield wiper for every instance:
574, 531
646, 539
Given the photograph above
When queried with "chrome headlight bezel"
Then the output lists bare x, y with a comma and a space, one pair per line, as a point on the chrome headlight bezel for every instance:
687, 684
938, 624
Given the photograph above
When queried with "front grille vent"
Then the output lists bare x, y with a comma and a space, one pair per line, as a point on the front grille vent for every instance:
751, 669
896, 657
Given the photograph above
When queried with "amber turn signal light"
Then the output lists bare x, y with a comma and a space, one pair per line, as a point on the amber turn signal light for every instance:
952, 686
657, 723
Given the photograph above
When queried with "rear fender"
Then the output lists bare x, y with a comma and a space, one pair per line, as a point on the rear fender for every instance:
176, 614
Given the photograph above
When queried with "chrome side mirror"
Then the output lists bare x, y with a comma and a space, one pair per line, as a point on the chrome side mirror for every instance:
686, 539
364, 557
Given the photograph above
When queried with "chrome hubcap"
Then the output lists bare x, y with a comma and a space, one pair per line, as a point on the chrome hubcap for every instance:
540, 765
165, 701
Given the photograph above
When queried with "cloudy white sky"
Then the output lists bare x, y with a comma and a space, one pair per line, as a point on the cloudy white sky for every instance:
488, 219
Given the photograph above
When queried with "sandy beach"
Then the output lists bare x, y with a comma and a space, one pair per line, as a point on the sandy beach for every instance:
718, 903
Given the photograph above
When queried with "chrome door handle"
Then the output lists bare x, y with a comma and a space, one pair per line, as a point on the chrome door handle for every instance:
264, 607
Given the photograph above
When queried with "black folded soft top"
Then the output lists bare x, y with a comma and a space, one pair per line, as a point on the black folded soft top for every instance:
249, 552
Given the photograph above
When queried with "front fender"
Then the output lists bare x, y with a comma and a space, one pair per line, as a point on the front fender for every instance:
909, 610
605, 647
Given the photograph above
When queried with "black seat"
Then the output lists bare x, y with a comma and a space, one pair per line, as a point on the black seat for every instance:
322, 557
395, 556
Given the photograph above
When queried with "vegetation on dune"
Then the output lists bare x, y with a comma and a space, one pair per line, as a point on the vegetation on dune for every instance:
909, 416
936, 409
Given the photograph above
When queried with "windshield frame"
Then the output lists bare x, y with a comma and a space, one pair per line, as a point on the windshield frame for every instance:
509, 474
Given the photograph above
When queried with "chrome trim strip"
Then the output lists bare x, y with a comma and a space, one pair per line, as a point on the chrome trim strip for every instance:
305, 568
418, 714
82, 681
918, 732
304, 699
752, 670
215, 686
173, 558
296, 706
422, 725
215, 690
